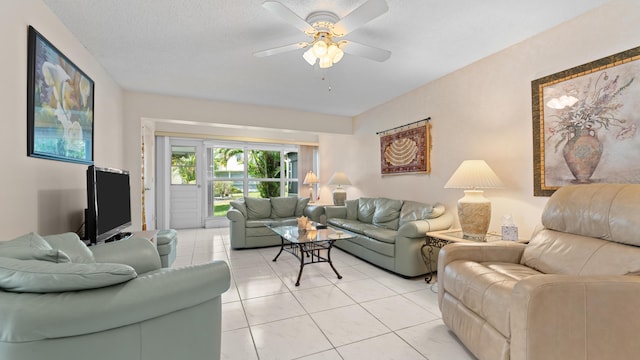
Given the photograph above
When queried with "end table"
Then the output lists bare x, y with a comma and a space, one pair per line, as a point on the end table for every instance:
443, 237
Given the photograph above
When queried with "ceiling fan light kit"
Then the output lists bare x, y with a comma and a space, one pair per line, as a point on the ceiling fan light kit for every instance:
323, 27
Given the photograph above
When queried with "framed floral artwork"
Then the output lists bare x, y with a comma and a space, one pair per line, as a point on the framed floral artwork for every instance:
59, 105
584, 124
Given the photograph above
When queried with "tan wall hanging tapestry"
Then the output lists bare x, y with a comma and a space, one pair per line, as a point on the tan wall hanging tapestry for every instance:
406, 149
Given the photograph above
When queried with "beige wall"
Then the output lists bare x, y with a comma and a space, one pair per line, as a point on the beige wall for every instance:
43, 195
481, 112
215, 118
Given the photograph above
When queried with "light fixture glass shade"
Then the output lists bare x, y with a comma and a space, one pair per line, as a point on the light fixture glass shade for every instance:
325, 62
338, 56
309, 57
319, 48
473, 174
474, 210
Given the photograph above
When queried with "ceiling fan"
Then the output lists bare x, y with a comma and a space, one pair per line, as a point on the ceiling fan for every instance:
326, 30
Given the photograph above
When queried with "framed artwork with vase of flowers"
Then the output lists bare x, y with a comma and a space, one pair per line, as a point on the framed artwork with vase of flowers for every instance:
584, 124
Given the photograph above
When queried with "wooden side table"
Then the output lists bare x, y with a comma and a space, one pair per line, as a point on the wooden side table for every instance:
443, 237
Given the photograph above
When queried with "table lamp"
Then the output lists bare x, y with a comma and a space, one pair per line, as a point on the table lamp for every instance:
339, 194
474, 210
311, 179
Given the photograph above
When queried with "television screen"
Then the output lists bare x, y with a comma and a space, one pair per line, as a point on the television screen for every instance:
109, 203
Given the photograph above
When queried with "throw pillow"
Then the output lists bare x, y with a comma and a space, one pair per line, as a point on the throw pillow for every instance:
31, 246
352, 209
240, 205
387, 213
34, 276
258, 208
71, 244
301, 204
366, 208
282, 207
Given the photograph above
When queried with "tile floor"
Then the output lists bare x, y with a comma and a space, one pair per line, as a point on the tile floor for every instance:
369, 314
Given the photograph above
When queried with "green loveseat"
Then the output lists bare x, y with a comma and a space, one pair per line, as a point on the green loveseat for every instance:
249, 217
390, 233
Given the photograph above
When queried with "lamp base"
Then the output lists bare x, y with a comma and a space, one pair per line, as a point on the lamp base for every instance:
339, 196
474, 213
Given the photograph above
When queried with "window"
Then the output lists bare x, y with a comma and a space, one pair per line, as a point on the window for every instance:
183, 165
236, 170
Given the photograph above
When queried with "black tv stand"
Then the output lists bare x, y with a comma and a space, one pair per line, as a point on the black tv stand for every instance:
120, 236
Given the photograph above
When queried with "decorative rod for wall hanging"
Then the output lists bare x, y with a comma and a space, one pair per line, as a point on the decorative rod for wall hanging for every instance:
401, 126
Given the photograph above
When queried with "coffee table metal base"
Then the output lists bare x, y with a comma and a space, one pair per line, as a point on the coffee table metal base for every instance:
308, 253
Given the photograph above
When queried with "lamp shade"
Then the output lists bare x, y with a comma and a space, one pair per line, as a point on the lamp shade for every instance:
339, 178
473, 174
311, 178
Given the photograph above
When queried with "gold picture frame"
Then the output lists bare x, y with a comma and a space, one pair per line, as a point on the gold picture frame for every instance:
584, 126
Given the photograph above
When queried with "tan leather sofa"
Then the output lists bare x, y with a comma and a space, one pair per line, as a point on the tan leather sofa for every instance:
571, 293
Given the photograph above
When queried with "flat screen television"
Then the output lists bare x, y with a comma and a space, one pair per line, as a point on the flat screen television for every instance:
108, 204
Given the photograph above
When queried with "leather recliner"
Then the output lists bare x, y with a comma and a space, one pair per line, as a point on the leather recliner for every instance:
570, 293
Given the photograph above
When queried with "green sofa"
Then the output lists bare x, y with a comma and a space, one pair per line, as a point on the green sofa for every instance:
390, 233
248, 217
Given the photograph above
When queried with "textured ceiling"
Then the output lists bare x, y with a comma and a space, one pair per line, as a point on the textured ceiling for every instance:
203, 48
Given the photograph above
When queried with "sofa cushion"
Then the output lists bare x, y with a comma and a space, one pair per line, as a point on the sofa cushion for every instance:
352, 209
554, 252
240, 205
605, 211
485, 288
387, 213
351, 225
379, 247
412, 210
282, 207
366, 208
258, 208
301, 203
34, 276
381, 234
71, 245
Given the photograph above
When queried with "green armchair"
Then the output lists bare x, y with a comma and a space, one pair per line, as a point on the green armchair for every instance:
60, 299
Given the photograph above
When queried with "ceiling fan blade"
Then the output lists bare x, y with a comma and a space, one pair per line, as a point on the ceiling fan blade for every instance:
365, 51
287, 15
360, 16
281, 49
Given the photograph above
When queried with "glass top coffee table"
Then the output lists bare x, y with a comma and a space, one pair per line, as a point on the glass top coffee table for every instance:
309, 246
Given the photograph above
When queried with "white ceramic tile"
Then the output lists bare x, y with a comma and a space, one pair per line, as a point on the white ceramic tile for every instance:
397, 312
356, 313
263, 286
236, 345
348, 324
384, 347
325, 355
233, 316
273, 307
365, 290
322, 298
289, 339
427, 299
435, 341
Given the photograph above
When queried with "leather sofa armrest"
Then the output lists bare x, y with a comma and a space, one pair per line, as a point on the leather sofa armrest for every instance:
507, 252
313, 212
235, 215
31, 317
575, 317
141, 254
419, 228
